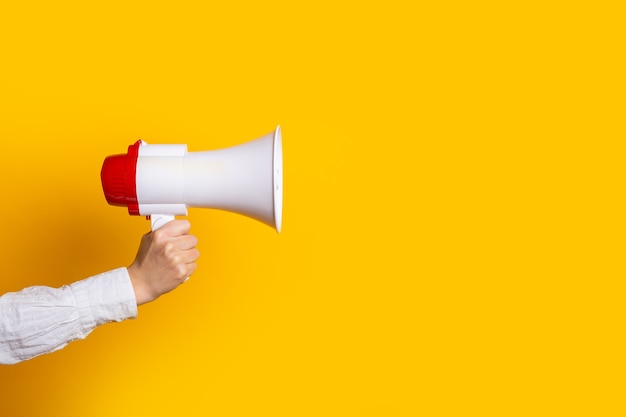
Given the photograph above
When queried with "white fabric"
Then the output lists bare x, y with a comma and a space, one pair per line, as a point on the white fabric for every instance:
40, 320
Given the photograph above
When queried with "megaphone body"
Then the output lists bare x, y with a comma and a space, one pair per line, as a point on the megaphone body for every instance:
162, 181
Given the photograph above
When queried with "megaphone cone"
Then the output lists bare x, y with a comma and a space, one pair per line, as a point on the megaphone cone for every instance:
154, 180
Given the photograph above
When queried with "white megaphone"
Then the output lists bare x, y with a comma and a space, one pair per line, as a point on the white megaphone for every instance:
162, 181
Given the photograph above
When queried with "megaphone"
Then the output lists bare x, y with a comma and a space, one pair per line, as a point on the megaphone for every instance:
162, 181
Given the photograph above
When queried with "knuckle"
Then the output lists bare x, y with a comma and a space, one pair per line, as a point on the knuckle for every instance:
169, 248
158, 235
175, 260
181, 271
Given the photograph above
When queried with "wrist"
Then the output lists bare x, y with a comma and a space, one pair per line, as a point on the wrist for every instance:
142, 293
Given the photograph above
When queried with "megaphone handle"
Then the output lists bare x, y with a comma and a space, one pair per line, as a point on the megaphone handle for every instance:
158, 220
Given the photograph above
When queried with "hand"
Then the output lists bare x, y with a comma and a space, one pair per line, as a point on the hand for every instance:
166, 258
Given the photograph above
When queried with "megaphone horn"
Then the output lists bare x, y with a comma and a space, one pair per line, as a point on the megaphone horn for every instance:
162, 181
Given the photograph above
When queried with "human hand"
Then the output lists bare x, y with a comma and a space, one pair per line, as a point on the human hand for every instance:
166, 258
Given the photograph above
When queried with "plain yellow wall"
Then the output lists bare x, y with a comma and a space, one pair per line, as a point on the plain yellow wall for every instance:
453, 234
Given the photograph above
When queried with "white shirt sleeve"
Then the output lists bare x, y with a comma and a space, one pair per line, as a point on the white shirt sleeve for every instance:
40, 320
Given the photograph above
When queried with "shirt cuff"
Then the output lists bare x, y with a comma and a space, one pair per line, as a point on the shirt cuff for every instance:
105, 298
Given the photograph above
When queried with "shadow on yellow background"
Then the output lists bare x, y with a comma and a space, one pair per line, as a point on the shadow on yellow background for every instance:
453, 218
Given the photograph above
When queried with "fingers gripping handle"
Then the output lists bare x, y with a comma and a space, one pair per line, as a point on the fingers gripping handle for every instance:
158, 220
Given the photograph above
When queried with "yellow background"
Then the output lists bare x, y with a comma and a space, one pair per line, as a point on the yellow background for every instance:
453, 235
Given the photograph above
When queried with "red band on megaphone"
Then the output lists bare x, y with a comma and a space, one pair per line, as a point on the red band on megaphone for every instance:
118, 177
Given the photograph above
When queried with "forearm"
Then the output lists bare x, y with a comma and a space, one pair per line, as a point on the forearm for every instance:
40, 320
